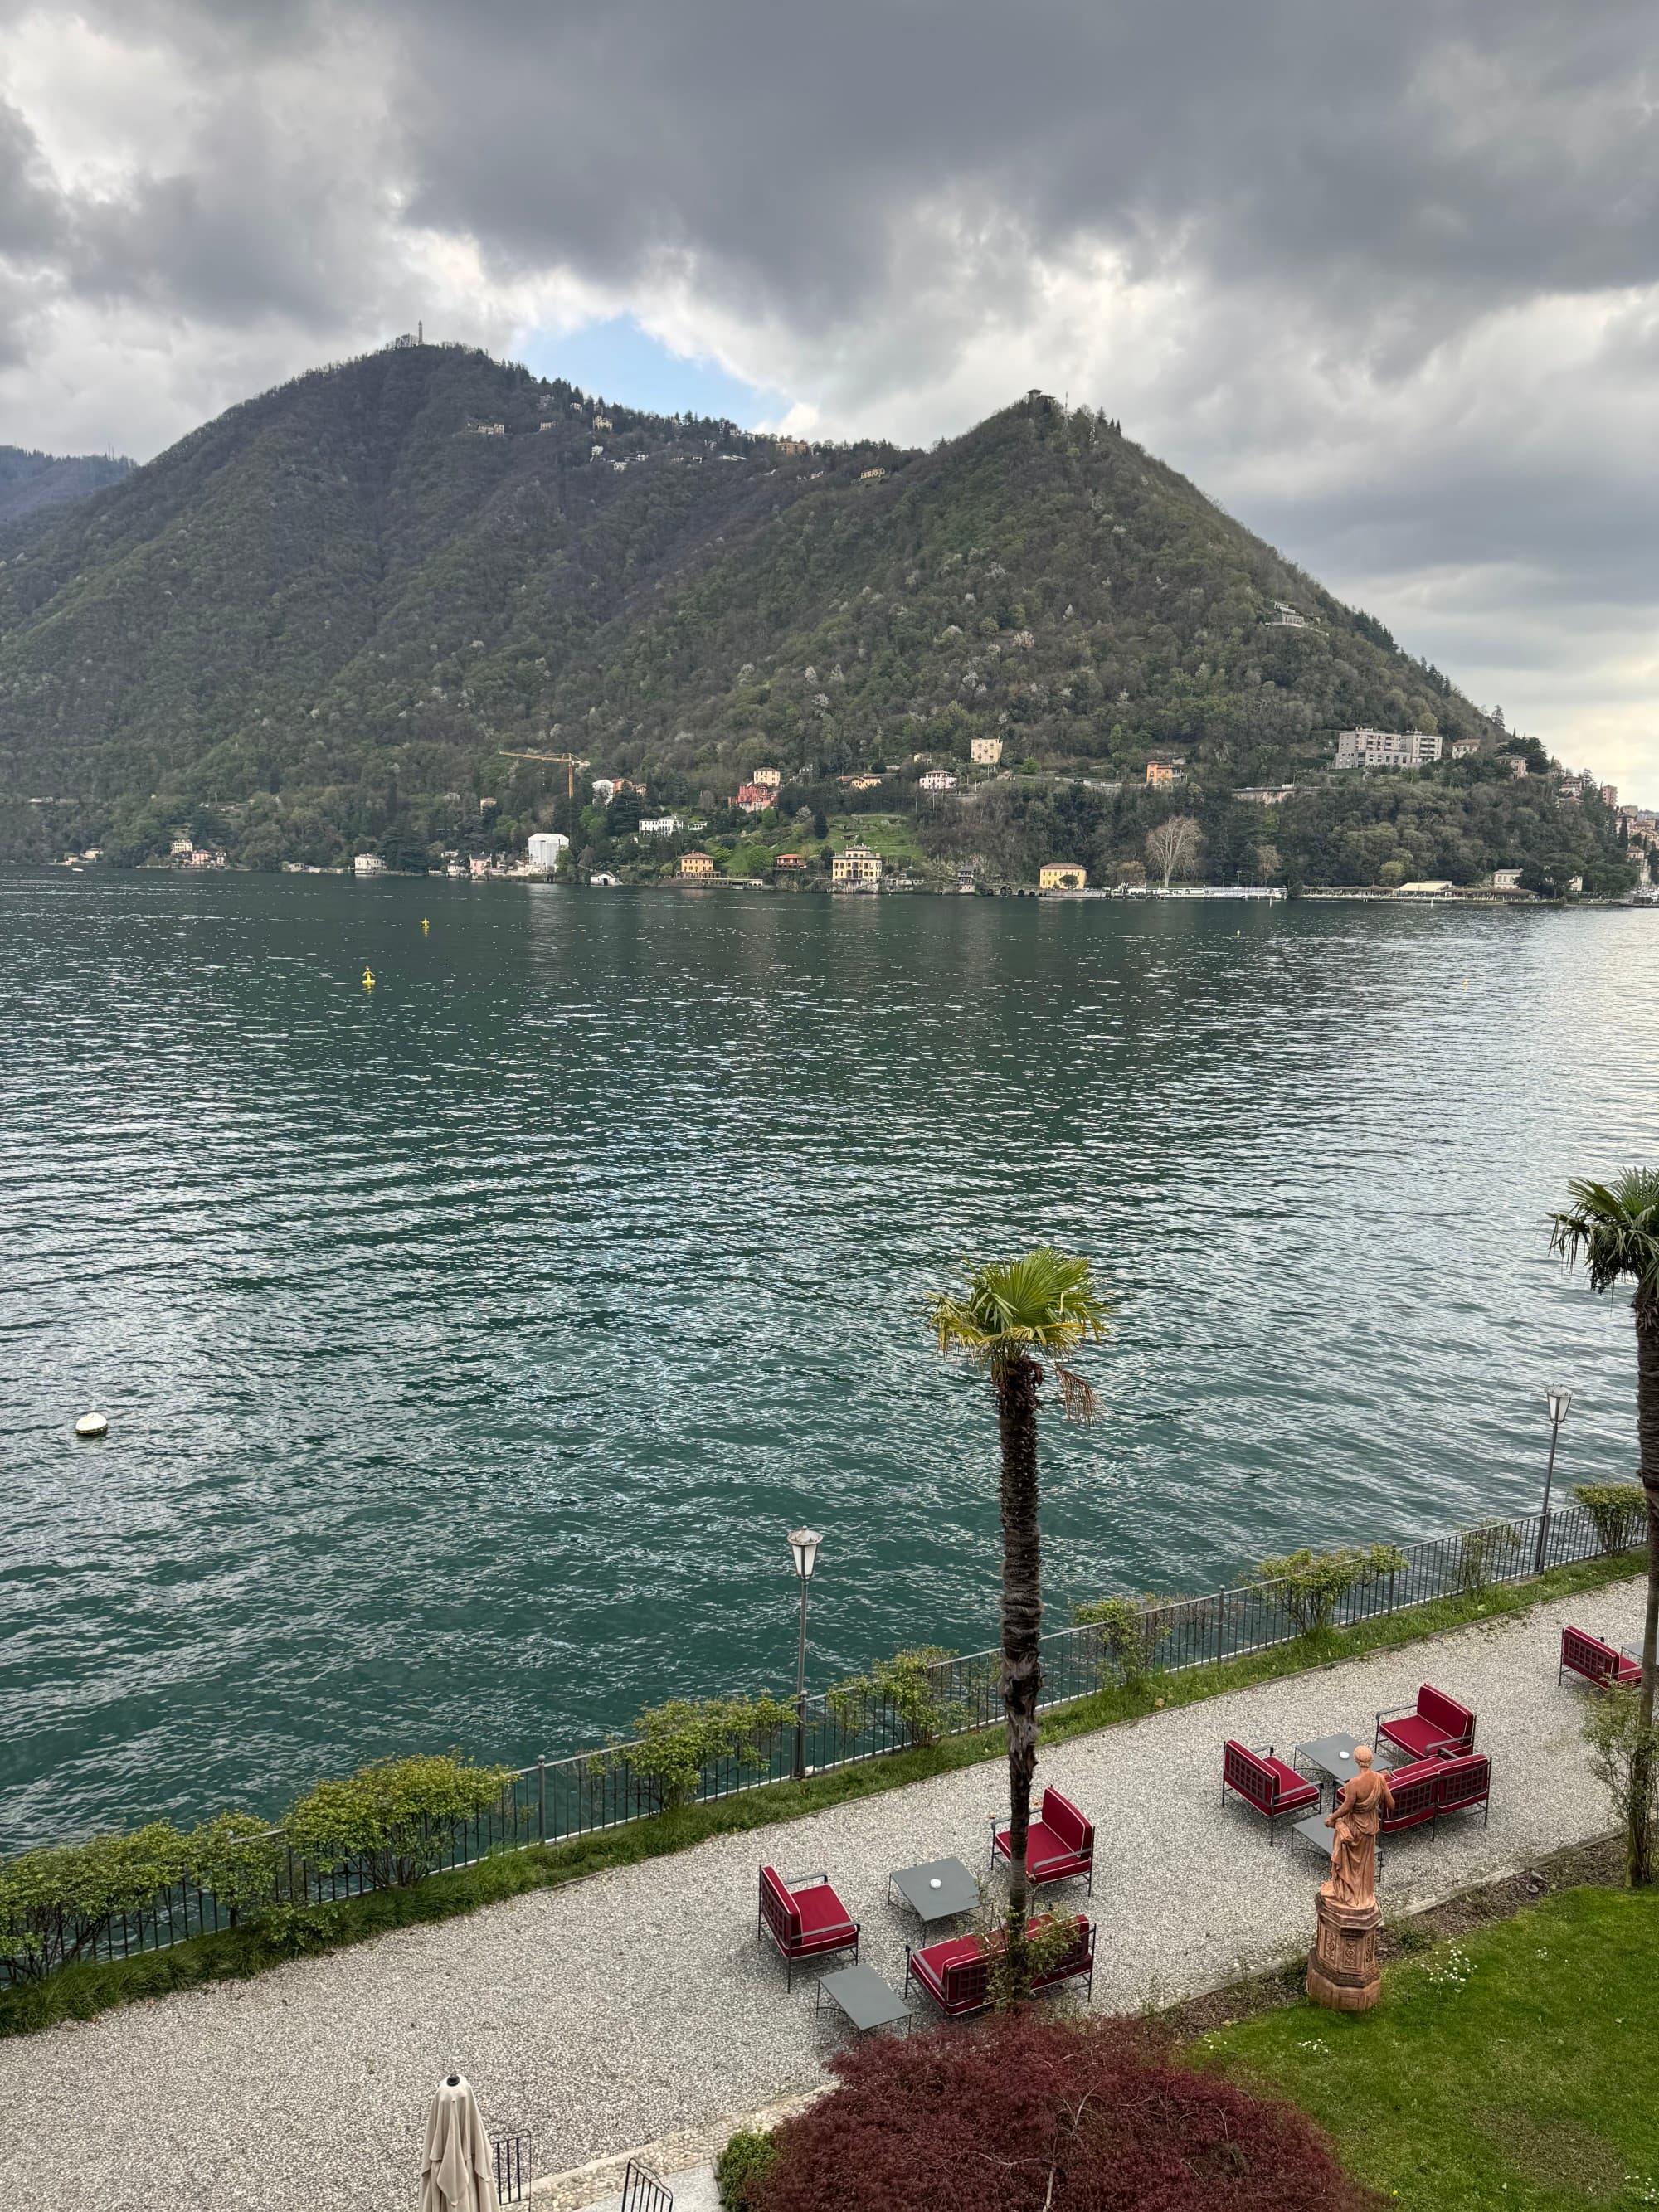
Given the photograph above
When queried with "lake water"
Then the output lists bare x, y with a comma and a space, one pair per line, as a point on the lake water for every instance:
469, 1345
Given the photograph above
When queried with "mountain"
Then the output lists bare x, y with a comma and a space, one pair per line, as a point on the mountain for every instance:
325, 619
34, 488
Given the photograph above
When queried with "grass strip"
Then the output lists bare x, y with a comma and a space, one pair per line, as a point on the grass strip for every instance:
81, 1992
1511, 2068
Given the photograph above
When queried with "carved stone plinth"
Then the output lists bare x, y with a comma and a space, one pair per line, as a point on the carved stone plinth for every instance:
1343, 1974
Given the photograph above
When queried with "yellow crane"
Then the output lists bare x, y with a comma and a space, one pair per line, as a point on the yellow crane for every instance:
569, 762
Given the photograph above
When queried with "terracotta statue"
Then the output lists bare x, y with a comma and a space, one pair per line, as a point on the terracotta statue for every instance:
1360, 1807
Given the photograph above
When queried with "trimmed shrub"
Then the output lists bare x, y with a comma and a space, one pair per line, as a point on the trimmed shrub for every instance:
679, 1739
742, 2167
56, 1903
235, 1855
397, 1819
906, 1686
1483, 1554
1020, 2112
1310, 1584
1618, 1512
1624, 1757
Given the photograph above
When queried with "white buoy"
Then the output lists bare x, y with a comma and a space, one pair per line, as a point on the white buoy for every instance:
92, 1424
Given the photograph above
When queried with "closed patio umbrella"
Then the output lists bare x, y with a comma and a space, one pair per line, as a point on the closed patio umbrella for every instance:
456, 2172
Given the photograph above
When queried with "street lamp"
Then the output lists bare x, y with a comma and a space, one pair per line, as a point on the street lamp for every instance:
1557, 1400
804, 1546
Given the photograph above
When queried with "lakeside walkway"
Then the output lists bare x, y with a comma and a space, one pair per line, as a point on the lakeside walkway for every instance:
624, 2008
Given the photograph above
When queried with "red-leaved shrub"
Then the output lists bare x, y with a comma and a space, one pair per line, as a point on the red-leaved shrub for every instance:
1019, 2114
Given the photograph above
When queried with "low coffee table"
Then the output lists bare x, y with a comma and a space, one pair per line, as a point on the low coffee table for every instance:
1316, 1836
941, 1889
1333, 1755
861, 1994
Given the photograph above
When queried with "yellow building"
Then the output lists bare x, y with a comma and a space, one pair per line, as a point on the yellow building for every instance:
858, 868
986, 751
769, 778
696, 864
1061, 876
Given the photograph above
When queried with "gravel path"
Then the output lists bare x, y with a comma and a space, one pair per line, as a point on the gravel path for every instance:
621, 2008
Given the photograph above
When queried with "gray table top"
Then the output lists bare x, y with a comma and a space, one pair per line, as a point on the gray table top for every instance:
1314, 1832
1333, 1754
861, 1994
939, 1889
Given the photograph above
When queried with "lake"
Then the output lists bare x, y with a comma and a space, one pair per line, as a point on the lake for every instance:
470, 1344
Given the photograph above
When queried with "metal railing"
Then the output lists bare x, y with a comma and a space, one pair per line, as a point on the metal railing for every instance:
643, 2191
515, 2167
556, 1801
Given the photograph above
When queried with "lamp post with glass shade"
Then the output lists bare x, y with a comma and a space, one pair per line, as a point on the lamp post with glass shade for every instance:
1557, 1400
804, 1545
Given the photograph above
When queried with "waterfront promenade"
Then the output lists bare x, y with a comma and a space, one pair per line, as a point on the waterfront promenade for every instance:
620, 2009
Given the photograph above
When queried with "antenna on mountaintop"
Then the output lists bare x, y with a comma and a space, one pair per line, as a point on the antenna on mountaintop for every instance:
419, 333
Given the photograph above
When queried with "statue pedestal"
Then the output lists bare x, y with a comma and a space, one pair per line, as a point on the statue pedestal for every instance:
1343, 1974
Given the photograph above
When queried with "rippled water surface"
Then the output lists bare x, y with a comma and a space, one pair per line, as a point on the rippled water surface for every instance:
469, 1345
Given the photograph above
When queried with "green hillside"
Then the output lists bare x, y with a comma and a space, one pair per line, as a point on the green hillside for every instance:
323, 620
35, 487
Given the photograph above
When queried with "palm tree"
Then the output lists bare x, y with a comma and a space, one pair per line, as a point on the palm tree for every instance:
1010, 1317
1613, 1228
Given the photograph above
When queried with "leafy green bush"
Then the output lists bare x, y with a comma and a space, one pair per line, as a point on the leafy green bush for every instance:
1310, 1584
1624, 1757
396, 1819
908, 1685
677, 1740
1618, 1512
747, 2160
1483, 1554
235, 1855
1132, 1630
56, 1903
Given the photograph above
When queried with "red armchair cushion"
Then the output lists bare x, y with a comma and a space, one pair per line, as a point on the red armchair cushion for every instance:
1265, 1782
1462, 1782
822, 1913
955, 1972
1598, 1662
805, 1920
1071, 1832
1416, 1791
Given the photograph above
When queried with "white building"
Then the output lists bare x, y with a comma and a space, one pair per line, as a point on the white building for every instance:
545, 848
605, 789
660, 825
939, 779
366, 864
1369, 749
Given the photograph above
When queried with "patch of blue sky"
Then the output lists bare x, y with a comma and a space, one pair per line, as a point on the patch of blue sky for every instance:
617, 359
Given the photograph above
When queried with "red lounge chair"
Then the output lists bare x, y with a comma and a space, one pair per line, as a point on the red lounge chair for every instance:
1460, 1783
1416, 1795
1595, 1658
804, 1917
1435, 1723
1265, 1782
1059, 1844
955, 1973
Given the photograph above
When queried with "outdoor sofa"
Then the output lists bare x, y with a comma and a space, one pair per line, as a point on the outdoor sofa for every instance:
1429, 1789
1059, 1844
805, 1918
1596, 1660
1265, 1782
1435, 1723
955, 1973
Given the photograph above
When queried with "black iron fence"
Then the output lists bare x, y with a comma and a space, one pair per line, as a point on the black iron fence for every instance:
557, 1800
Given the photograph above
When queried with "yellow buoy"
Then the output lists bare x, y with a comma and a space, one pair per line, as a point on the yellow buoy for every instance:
368, 979
425, 924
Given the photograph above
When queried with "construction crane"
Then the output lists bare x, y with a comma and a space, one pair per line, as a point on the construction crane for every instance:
569, 762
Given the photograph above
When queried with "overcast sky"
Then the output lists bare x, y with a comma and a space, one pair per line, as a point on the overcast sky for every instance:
1383, 280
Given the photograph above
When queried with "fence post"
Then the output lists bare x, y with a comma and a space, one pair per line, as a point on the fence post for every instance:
541, 1795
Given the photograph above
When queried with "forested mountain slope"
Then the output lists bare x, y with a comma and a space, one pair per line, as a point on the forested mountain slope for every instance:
35, 487
342, 600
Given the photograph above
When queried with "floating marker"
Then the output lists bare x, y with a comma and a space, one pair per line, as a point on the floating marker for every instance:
368, 979
425, 924
92, 1424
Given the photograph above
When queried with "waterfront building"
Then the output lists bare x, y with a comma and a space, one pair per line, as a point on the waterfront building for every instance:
1061, 876
1506, 879
180, 849
793, 862
696, 864
547, 848
1369, 749
856, 869
1431, 887
986, 752
366, 864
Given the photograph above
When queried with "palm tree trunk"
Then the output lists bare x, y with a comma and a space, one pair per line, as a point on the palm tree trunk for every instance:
1641, 1842
1021, 1626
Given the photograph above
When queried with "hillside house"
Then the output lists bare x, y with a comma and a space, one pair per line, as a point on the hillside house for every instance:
1463, 747
1284, 617
594, 453
605, 788
754, 797
871, 475
180, 849
793, 863
1571, 791
603, 422
659, 826
866, 782
696, 864
1609, 795
488, 429
857, 869
1517, 765
1386, 749
770, 779
985, 752
1162, 772
1264, 794
547, 426
1061, 876
938, 779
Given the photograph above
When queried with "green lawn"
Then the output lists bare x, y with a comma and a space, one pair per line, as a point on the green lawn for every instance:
892, 836
1512, 2068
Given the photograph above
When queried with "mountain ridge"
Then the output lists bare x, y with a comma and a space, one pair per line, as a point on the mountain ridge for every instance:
362, 589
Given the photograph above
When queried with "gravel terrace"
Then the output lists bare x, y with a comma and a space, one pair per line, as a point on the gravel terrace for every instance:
624, 2008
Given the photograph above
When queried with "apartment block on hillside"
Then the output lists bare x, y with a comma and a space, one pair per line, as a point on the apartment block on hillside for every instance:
1371, 748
